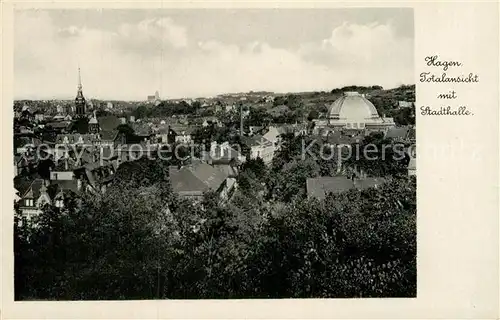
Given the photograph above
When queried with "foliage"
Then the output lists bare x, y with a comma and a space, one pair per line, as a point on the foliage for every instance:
80, 125
379, 157
142, 242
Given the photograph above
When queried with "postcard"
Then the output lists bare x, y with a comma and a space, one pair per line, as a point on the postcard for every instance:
250, 160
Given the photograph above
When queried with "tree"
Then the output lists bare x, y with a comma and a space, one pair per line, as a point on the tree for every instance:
80, 125
141, 112
313, 114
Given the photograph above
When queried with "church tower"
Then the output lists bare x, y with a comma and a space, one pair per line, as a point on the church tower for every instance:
80, 100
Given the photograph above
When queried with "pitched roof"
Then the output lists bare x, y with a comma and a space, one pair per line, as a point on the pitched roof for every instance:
183, 181
256, 140
109, 135
185, 130
198, 177
59, 124
22, 183
77, 138
64, 186
34, 189
108, 123
141, 129
398, 133
320, 187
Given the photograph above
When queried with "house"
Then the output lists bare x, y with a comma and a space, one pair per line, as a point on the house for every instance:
207, 121
24, 163
225, 158
112, 138
405, 104
34, 198
224, 153
94, 177
41, 193
108, 123
322, 186
273, 135
230, 108
142, 130
181, 134
259, 148
59, 126
412, 167
25, 144
58, 117
77, 139
255, 129
398, 134
192, 181
38, 116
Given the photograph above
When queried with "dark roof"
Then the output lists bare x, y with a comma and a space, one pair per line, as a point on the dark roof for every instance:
33, 190
22, 183
141, 129
109, 152
109, 135
183, 181
398, 133
108, 123
255, 140
320, 187
61, 164
65, 185
196, 178
227, 169
75, 138
59, 124
183, 130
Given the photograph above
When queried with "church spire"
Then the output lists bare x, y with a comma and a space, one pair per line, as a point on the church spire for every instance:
79, 80
80, 100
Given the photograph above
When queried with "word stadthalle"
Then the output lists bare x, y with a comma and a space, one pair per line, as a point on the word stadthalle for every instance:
445, 111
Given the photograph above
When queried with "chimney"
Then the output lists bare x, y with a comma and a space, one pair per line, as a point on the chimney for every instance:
241, 119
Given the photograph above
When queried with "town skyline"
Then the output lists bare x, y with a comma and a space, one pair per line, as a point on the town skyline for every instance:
134, 53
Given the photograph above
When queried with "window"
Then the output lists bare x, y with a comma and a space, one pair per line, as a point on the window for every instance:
28, 202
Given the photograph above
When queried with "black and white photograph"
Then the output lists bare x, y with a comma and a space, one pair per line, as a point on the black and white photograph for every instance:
244, 153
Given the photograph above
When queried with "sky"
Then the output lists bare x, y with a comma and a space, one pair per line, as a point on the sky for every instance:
130, 54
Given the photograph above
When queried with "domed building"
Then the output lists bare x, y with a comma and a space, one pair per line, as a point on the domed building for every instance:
353, 111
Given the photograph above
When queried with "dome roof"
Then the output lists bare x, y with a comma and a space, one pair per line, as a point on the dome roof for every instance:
352, 106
